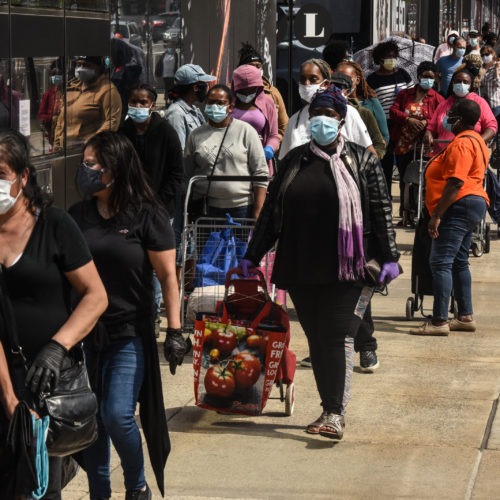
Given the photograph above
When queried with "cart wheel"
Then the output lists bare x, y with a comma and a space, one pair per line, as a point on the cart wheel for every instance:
487, 238
410, 308
290, 399
477, 249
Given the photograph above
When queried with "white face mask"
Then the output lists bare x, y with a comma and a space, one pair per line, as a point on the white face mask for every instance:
307, 92
247, 99
487, 59
6, 200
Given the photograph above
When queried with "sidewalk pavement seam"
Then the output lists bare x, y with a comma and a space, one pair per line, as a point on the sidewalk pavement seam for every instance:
484, 445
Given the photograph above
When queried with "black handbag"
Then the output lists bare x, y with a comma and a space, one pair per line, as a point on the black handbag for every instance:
71, 406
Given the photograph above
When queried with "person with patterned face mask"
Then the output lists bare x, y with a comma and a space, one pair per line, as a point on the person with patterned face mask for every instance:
93, 104
328, 195
460, 86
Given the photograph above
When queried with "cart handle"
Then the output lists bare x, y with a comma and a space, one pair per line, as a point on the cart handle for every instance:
257, 272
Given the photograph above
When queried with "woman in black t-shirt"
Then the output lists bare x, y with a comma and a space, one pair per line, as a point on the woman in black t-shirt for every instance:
43, 257
129, 236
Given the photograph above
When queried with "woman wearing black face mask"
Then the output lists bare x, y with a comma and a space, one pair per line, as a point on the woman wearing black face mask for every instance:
129, 235
93, 104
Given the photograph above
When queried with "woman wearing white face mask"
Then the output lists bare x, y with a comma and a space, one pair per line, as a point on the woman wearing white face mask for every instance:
315, 76
460, 89
93, 104
490, 83
254, 107
44, 259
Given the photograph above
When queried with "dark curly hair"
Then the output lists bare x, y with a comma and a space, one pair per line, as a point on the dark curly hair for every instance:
248, 54
382, 49
15, 152
130, 188
426, 66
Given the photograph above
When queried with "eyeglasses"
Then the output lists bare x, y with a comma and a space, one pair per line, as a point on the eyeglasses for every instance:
92, 166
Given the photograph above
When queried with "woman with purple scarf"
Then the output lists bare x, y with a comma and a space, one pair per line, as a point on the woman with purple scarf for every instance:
329, 209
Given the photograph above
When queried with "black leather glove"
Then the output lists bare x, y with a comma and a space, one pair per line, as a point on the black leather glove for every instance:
174, 348
43, 374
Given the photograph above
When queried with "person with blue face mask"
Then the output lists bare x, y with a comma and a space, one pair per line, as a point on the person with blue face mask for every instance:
327, 208
410, 115
460, 89
447, 65
51, 104
159, 149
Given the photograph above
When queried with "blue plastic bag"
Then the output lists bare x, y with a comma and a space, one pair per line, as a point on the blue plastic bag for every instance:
221, 252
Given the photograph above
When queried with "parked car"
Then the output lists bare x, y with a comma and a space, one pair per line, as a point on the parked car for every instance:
159, 24
128, 31
174, 33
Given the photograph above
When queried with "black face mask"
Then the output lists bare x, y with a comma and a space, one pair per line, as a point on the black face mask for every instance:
89, 180
201, 93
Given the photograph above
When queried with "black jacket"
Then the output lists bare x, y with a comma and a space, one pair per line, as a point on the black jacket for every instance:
378, 231
161, 157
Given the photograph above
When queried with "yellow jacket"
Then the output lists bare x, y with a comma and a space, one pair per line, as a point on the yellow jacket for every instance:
87, 112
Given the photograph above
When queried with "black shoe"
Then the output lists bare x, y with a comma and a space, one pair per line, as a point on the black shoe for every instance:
306, 362
368, 361
139, 494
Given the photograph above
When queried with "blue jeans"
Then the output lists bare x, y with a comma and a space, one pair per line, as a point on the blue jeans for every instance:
121, 377
449, 259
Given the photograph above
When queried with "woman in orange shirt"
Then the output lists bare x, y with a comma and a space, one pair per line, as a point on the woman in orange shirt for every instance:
456, 201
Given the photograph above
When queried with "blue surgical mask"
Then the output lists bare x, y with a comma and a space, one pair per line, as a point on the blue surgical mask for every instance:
324, 129
138, 115
461, 89
447, 125
56, 79
89, 181
474, 42
460, 52
216, 113
427, 83
452, 39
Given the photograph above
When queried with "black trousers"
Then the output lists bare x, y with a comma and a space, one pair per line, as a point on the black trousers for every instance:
326, 313
388, 166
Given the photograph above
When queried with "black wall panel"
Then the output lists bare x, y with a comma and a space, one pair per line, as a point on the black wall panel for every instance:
89, 37
30, 36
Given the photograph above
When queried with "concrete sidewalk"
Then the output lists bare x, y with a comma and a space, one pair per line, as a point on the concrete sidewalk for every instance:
423, 425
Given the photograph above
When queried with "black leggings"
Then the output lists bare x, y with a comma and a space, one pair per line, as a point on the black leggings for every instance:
326, 313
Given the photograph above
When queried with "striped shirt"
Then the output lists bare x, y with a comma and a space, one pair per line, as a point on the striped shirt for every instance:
388, 87
490, 87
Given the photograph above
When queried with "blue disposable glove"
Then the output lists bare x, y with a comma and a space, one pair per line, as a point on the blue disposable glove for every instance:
269, 152
244, 266
389, 272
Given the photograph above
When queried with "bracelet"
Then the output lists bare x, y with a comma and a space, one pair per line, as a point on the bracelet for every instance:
174, 331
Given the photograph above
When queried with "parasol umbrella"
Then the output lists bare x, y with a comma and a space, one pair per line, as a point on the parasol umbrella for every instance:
411, 54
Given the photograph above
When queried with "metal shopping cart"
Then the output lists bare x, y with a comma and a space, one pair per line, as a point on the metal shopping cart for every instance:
210, 247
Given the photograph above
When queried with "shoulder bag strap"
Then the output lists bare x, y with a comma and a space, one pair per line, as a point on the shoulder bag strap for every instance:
215, 161
482, 152
10, 320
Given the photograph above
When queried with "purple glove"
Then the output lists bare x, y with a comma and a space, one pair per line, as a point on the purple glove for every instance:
269, 152
245, 265
389, 272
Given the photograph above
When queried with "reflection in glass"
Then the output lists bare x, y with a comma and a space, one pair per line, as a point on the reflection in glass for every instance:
89, 5
48, 4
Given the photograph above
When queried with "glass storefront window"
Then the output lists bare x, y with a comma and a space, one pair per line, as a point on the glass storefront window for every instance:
36, 97
88, 5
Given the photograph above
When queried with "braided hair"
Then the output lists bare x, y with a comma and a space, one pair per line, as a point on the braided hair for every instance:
363, 90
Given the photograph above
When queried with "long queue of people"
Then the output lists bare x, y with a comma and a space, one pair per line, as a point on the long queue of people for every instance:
113, 260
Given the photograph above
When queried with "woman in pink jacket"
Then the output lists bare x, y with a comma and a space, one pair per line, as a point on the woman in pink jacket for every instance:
253, 106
